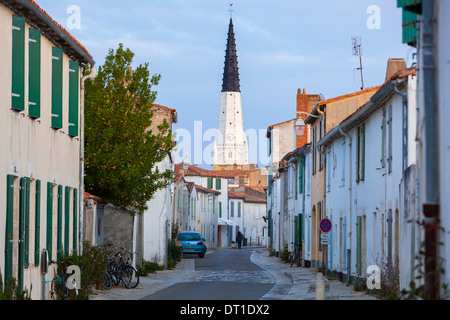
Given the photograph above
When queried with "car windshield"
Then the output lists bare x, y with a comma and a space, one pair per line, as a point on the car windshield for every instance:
189, 237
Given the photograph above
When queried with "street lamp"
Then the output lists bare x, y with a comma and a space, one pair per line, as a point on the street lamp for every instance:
300, 125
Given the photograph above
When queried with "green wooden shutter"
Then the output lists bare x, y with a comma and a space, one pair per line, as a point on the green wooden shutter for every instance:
9, 227
75, 220
66, 220
218, 183
358, 244
300, 175
26, 222
383, 140
59, 221
210, 183
34, 70
358, 153
220, 209
37, 224
18, 64
49, 244
363, 152
57, 87
74, 68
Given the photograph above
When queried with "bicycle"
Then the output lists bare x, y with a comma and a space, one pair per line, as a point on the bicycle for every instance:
118, 271
129, 268
59, 287
296, 255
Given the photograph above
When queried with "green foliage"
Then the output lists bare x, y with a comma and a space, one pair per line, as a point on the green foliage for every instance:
120, 149
93, 263
174, 254
286, 256
149, 267
11, 290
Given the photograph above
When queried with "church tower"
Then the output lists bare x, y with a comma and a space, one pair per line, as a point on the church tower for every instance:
231, 145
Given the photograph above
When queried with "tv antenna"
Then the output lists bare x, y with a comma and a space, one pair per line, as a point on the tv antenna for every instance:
357, 44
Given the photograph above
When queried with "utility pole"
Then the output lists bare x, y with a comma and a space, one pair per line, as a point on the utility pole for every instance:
357, 44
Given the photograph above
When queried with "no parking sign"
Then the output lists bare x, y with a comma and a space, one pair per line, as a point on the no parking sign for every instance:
325, 225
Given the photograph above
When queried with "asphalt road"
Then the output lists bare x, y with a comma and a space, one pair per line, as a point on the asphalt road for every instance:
220, 275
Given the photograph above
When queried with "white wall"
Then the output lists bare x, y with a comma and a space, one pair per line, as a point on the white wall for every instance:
31, 148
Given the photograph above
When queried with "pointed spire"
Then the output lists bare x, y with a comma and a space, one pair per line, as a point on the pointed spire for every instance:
231, 70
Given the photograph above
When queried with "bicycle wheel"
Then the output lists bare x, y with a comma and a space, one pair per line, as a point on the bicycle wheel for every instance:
58, 289
133, 276
107, 284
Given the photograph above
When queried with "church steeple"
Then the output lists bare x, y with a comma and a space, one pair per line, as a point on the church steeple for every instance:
231, 70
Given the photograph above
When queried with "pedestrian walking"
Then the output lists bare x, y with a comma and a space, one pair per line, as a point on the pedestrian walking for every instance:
239, 238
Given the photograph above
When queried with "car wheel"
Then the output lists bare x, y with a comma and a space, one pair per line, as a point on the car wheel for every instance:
201, 255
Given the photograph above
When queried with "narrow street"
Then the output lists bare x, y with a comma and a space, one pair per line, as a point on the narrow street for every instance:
232, 274
221, 275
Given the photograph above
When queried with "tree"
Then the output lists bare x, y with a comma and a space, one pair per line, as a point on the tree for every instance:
121, 152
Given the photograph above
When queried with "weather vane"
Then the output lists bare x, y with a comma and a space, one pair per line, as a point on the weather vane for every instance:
231, 10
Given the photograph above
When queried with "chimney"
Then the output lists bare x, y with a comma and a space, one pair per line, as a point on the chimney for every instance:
305, 103
394, 65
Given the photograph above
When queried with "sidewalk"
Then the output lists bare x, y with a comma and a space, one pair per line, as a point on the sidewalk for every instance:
290, 283
298, 283
148, 285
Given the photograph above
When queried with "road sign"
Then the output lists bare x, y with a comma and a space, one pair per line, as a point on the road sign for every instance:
325, 225
324, 236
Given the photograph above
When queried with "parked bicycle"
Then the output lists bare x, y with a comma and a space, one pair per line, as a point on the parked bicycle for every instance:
58, 288
134, 275
118, 271
296, 256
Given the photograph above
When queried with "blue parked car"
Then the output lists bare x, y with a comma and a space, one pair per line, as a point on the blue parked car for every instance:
192, 243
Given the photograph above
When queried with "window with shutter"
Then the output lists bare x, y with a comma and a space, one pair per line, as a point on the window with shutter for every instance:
383, 140
300, 174
18, 64
66, 220
75, 220
7, 271
49, 243
59, 231
218, 183
34, 73
74, 68
57, 87
389, 159
359, 244
210, 183
37, 223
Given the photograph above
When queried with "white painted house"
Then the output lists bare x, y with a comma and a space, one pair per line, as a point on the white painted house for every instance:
366, 156
41, 120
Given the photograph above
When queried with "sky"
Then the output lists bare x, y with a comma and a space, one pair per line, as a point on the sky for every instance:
282, 46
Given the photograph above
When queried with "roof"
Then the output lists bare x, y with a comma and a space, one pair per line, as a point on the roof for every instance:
311, 118
40, 19
231, 70
246, 197
172, 111
385, 92
206, 190
197, 171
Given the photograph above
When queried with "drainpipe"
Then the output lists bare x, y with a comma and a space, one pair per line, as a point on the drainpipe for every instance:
349, 201
92, 75
405, 126
431, 165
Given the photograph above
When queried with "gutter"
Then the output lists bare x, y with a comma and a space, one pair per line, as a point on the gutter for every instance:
430, 205
55, 28
92, 75
405, 127
345, 134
